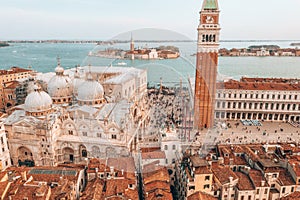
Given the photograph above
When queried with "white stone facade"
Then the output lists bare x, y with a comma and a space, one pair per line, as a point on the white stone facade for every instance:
267, 105
4, 151
63, 133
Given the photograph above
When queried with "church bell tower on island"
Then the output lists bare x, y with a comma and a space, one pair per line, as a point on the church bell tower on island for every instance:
206, 65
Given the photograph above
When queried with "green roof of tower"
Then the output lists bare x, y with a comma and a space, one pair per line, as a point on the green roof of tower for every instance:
210, 4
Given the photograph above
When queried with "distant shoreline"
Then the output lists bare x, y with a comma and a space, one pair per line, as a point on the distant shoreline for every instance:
103, 42
4, 44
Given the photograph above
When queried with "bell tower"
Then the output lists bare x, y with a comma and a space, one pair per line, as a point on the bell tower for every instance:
206, 65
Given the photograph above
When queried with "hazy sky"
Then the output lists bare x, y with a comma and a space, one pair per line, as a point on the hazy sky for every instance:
103, 19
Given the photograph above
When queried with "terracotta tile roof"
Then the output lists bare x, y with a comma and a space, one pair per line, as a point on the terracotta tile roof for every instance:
293, 196
230, 152
158, 175
154, 155
152, 186
201, 196
249, 84
203, 170
131, 194
223, 173
116, 186
290, 147
93, 190
270, 80
251, 154
285, 178
13, 70
157, 184
295, 163
3, 186
123, 163
244, 182
151, 167
198, 162
47, 174
63, 189
159, 194
257, 177
32, 193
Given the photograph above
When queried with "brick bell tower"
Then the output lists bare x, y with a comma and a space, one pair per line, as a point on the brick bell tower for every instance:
206, 65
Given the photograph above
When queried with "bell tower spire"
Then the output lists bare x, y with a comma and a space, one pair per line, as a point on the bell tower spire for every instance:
207, 65
131, 44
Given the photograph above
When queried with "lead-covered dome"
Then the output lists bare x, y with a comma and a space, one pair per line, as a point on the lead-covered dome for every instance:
77, 81
38, 101
90, 92
60, 87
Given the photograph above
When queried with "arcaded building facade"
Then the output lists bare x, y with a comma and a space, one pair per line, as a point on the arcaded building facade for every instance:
79, 118
267, 99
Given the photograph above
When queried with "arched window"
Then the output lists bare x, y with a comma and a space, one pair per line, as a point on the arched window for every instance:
203, 38
84, 153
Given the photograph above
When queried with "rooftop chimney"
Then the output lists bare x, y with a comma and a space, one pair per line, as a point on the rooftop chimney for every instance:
24, 176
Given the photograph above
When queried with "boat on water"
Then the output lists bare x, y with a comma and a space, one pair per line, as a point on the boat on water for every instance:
121, 63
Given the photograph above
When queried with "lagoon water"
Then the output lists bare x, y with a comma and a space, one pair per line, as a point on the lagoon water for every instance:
42, 58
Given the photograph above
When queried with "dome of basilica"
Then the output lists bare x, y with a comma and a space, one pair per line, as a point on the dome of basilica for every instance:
38, 101
90, 91
60, 86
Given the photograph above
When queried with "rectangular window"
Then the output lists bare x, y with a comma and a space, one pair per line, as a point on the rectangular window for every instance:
206, 186
114, 136
192, 187
266, 191
283, 190
207, 178
84, 133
